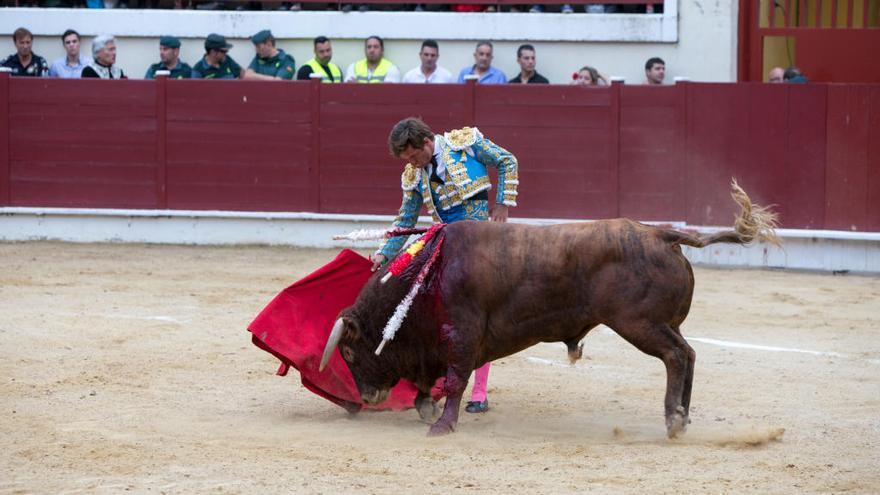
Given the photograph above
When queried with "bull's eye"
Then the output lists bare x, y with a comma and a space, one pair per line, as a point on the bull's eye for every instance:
347, 353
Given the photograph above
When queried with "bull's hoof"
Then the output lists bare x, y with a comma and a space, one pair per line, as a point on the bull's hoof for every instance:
439, 429
352, 407
676, 425
428, 410
575, 354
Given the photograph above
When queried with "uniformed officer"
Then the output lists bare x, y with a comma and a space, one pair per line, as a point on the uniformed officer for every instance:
320, 63
216, 64
269, 62
169, 54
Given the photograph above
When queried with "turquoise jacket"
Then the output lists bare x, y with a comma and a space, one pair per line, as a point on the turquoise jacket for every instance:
463, 157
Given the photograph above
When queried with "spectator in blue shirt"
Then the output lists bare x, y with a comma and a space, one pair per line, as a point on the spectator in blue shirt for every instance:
482, 68
72, 64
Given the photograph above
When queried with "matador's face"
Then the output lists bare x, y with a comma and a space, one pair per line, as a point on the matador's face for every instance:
419, 157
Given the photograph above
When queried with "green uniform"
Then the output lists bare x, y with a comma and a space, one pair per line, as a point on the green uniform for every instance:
180, 71
281, 65
229, 69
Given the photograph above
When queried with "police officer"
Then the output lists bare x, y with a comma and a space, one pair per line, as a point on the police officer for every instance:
169, 54
320, 63
216, 64
269, 62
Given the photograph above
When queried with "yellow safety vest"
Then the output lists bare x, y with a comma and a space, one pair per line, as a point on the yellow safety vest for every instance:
334, 71
378, 76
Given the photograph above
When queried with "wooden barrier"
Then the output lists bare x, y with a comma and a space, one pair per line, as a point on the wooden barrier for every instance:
660, 154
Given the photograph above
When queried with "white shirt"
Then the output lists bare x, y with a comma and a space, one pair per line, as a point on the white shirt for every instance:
439, 76
392, 76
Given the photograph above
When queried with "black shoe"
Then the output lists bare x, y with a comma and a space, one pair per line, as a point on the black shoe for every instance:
476, 406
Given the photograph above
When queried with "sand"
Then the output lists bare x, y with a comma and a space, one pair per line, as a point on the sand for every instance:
128, 368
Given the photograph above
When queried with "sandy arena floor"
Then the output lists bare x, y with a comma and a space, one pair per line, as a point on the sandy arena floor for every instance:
128, 367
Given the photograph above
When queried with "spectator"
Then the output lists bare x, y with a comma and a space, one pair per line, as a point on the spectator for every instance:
216, 64
71, 65
525, 57
482, 68
776, 75
24, 62
538, 9
588, 76
655, 71
599, 8
793, 75
375, 68
320, 63
428, 71
169, 59
104, 65
270, 62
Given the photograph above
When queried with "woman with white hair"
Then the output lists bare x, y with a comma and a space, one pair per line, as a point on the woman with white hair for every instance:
104, 64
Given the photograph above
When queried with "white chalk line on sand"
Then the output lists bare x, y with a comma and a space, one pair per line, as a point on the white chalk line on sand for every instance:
741, 345
167, 319
719, 343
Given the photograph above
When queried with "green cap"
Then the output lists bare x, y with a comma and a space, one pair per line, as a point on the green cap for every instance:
169, 41
261, 37
215, 41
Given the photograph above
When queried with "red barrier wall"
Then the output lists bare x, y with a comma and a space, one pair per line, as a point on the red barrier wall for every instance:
646, 153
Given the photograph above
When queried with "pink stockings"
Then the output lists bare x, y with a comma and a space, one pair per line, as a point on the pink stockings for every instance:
481, 381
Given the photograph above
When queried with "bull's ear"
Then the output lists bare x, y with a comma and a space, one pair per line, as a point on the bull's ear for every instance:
352, 330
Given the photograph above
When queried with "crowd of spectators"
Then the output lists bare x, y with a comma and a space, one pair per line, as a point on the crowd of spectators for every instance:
591, 8
271, 62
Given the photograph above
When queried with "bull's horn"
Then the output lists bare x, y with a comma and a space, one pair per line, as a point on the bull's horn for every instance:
332, 342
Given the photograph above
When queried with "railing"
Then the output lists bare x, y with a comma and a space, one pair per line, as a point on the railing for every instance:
649, 153
339, 4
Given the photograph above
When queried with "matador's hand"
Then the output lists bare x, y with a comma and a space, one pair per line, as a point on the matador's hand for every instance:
499, 213
377, 259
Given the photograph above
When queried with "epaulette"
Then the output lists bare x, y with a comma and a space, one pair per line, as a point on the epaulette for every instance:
410, 178
460, 139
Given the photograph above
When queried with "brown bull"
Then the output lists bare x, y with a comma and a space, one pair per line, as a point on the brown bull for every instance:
501, 288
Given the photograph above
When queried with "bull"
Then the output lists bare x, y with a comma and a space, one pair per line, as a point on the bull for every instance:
498, 289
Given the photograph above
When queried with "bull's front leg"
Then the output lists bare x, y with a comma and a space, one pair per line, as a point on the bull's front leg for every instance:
456, 382
426, 406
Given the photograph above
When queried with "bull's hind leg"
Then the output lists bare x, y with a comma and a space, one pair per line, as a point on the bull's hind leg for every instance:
661, 341
688, 377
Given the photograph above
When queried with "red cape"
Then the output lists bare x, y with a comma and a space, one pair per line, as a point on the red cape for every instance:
294, 327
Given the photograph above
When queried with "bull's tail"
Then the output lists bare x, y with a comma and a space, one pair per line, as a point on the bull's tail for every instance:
754, 222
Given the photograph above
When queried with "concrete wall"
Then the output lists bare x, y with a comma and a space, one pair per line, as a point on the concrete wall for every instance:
802, 249
696, 38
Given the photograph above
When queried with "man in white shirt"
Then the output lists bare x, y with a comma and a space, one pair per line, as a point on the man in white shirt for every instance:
429, 71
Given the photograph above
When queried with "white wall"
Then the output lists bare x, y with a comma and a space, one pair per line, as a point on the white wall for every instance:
698, 40
803, 249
